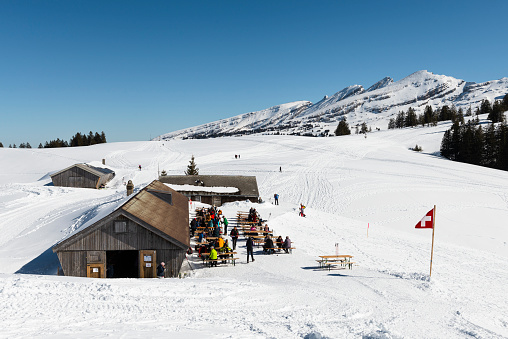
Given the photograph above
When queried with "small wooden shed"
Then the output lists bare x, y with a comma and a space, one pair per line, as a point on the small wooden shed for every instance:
150, 227
214, 189
82, 176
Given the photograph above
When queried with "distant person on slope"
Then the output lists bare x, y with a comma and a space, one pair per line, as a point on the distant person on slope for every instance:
302, 208
276, 197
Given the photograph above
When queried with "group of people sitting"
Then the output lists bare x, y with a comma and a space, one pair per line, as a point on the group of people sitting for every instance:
253, 215
211, 244
211, 219
270, 248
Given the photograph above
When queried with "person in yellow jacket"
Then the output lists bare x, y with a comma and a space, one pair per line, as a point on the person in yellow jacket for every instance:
213, 256
221, 242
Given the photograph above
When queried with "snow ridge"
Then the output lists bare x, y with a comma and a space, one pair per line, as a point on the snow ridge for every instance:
374, 106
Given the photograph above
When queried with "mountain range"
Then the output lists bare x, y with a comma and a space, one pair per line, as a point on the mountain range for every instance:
374, 106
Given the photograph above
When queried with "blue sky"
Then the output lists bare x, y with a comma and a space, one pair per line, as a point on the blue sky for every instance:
138, 69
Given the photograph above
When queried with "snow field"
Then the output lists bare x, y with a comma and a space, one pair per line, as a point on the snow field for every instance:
345, 182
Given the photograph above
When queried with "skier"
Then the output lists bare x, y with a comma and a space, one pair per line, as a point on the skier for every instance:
276, 197
139, 167
302, 208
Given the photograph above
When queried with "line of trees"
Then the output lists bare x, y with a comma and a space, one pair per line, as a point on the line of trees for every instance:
79, 139
473, 144
431, 117
343, 128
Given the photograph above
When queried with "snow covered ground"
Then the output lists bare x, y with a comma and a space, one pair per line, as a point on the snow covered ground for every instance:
346, 183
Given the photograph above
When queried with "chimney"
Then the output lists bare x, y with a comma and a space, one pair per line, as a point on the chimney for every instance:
130, 187
104, 161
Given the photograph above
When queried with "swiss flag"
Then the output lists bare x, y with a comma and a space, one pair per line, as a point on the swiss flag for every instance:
426, 221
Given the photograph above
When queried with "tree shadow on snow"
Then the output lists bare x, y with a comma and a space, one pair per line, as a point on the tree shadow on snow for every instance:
45, 264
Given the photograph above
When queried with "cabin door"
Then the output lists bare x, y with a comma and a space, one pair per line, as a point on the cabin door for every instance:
147, 264
95, 271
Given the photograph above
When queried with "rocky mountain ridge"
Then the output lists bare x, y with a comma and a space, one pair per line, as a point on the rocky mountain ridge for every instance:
374, 106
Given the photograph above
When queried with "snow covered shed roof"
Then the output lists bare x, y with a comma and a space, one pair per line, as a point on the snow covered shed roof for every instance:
98, 171
156, 207
246, 185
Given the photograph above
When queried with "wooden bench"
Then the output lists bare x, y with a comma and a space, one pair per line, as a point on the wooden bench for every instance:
208, 262
331, 264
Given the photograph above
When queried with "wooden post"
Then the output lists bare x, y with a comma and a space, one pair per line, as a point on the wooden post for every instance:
433, 228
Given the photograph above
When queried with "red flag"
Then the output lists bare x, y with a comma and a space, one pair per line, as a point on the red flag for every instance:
426, 221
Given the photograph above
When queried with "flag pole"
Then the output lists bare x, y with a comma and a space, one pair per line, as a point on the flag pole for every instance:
433, 228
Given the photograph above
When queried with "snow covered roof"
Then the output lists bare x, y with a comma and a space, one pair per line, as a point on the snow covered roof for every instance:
98, 171
193, 188
233, 184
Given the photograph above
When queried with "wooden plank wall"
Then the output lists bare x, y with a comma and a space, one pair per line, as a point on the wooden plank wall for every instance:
89, 180
73, 258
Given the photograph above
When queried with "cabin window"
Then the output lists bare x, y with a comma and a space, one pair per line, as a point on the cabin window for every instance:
120, 226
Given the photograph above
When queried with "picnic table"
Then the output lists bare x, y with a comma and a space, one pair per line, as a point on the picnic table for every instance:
332, 260
221, 257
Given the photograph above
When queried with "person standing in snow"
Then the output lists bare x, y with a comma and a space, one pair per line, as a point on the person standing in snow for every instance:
234, 236
250, 249
276, 197
161, 269
226, 223
139, 167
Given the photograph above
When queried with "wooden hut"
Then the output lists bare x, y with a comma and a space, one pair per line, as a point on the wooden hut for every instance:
82, 176
150, 227
214, 189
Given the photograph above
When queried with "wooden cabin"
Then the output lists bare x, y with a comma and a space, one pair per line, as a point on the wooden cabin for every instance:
82, 176
150, 227
214, 189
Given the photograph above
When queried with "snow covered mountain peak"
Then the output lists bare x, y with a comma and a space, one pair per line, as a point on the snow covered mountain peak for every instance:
380, 84
373, 106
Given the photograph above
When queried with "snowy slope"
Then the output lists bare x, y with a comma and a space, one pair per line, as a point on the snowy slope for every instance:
374, 106
346, 183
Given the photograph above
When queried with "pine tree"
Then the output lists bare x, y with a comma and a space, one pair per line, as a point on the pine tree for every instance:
504, 103
410, 119
364, 128
485, 107
496, 114
446, 144
491, 147
460, 116
469, 112
191, 168
343, 128
428, 114
103, 137
40, 145
1, 145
